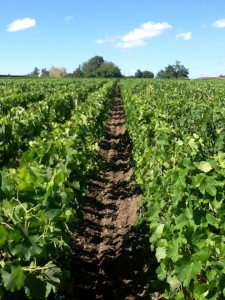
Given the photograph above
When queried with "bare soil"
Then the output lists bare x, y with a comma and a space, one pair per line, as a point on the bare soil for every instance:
109, 260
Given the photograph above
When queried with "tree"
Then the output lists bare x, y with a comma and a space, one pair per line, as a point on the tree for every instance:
143, 74
98, 67
181, 71
89, 67
108, 70
57, 72
168, 73
78, 73
36, 72
138, 74
44, 73
176, 71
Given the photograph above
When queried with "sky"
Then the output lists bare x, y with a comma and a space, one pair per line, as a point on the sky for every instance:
133, 34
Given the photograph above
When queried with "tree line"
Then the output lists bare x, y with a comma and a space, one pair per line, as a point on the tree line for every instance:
97, 67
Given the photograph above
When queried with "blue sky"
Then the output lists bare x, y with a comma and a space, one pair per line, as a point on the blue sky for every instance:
134, 34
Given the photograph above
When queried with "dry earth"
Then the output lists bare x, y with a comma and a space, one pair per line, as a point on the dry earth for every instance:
109, 260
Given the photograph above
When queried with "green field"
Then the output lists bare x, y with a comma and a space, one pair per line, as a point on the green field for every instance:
49, 143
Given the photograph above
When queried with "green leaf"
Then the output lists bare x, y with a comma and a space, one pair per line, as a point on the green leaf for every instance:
212, 220
173, 250
7, 207
204, 166
181, 221
68, 213
179, 296
221, 159
35, 287
160, 253
29, 178
173, 282
23, 250
204, 253
193, 144
7, 184
155, 209
189, 213
161, 272
159, 229
187, 269
52, 213
211, 186
206, 184
59, 178
3, 235
76, 185
198, 179
200, 290
51, 276
179, 177
25, 186
14, 280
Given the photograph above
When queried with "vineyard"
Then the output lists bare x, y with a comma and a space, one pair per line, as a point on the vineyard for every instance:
149, 153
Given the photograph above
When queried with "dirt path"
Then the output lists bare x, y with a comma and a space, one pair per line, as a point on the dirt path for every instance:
109, 257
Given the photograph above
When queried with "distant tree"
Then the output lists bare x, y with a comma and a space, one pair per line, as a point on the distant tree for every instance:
138, 74
44, 73
143, 74
57, 72
108, 70
35, 72
168, 73
147, 74
181, 71
78, 72
161, 74
176, 71
98, 67
89, 67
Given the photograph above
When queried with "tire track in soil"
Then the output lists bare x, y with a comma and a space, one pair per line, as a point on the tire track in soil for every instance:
109, 258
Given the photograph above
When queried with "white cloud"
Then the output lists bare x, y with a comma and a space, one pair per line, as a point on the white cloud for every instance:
131, 44
146, 30
69, 19
219, 23
21, 24
107, 40
137, 36
184, 36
